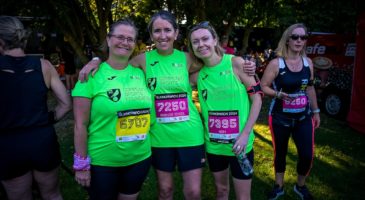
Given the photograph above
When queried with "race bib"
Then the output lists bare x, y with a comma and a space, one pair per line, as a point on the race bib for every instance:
171, 107
297, 105
223, 126
132, 125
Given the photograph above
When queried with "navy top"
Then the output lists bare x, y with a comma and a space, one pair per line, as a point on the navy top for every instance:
295, 85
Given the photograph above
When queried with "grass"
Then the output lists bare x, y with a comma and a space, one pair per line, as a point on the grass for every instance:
338, 171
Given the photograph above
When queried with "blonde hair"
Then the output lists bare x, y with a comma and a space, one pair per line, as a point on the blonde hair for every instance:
204, 25
12, 33
282, 49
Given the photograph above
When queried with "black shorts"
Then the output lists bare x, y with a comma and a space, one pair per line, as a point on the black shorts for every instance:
108, 182
22, 151
186, 158
220, 162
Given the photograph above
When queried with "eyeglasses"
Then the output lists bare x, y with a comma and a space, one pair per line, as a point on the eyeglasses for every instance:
122, 38
296, 37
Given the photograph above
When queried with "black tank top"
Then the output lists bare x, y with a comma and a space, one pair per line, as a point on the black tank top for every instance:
294, 84
23, 102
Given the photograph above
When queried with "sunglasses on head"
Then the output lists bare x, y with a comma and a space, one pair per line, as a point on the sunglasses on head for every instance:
296, 37
203, 24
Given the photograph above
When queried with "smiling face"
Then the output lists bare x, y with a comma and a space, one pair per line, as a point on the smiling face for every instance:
203, 44
163, 35
121, 41
297, 40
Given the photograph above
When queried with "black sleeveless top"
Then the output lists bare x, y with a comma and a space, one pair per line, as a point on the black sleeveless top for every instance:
23, 102
294, 84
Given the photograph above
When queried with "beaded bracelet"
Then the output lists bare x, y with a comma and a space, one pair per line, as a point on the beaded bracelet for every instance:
81, 163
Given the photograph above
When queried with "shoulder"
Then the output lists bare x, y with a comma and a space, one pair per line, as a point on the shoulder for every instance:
308, 60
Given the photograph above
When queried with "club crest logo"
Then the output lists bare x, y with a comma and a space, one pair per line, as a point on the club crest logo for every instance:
205, 94
151, 83
114, 94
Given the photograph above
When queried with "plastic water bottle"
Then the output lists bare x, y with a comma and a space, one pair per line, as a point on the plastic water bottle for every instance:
245, 164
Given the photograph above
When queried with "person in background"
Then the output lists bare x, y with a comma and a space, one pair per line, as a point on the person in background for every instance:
112, 122
226, 47
67, 57
230, 101
28, 142
140, 47
294, 110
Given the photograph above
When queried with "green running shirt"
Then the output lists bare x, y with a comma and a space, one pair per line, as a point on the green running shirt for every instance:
119, 116
176, 121
225, 107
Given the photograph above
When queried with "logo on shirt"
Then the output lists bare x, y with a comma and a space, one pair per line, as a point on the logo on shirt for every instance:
153, 64
177, 64
134, 77
225, 72
205, 94
111, 78
114, 94
151, 83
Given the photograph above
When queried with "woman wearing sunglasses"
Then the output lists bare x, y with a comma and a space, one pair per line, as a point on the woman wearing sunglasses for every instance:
293, 111
230, 101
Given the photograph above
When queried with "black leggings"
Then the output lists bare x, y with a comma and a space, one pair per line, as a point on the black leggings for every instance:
302, 132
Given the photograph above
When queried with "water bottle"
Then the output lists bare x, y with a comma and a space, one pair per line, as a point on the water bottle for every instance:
245, 164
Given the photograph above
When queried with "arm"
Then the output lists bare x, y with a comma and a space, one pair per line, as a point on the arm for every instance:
193, 64
271, 72
313, 98
81, 114
91, 66
139, 61
53, 81
256, 101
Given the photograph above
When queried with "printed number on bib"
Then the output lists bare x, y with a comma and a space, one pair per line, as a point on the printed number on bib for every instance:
171, 107
132, 125
223, 126
295, 106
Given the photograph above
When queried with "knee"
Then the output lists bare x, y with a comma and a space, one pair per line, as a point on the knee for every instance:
166, 192
222, 192
192, 193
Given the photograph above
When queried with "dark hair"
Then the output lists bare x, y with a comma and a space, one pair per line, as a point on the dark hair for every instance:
12, 33
127, 22
165, 15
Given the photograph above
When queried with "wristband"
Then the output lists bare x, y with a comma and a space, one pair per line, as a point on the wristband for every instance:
95, 58
316, 110
81, 163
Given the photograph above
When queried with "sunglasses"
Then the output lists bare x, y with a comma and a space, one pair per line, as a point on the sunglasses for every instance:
296, 37
203, 24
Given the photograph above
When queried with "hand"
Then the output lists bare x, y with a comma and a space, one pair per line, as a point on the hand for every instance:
317, 120
92, 65
249, 67
240, 144
83, 178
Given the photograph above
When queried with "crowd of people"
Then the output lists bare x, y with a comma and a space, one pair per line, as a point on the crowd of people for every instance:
134, 110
